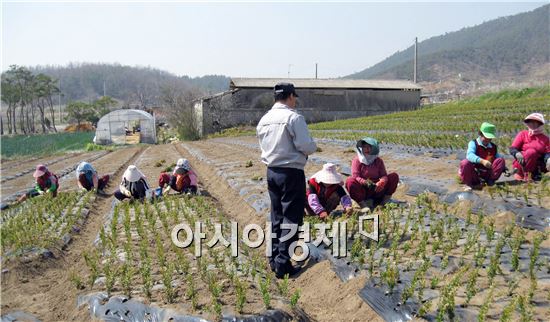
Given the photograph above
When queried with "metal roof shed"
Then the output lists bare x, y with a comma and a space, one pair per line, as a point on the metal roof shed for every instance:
325, 83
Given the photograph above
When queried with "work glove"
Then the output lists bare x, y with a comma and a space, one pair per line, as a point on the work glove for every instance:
486, 163
520, 158
380, 185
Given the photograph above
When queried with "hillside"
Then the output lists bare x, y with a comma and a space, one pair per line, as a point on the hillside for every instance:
132, 85
513, 49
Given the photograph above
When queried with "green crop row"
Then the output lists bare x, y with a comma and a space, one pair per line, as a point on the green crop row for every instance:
136, 255
44, 144
452, 117
426, 255
41, 222
419, 140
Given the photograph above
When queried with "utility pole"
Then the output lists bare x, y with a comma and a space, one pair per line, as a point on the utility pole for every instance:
315, 70
415, 57
59, 100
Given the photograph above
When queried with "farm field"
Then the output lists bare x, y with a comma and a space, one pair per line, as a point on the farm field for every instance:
22, 146
182, 161
235, 190
449, 125
443, 254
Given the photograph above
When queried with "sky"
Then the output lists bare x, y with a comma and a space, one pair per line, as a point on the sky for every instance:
238, 39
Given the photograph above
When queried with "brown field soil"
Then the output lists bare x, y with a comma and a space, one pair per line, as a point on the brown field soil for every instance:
44, 289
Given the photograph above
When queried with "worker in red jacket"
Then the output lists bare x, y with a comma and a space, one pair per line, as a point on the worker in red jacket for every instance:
47, 183
325, 192
531, 150
369, 184
182, 180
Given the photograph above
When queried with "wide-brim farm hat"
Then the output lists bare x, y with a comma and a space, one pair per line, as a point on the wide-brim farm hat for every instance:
132, 174
328, 175
535, 117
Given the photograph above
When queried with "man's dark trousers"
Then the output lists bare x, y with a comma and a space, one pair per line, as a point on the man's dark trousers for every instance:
287, 191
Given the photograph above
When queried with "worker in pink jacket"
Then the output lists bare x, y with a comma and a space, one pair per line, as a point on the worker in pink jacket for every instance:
531, 150
369, 183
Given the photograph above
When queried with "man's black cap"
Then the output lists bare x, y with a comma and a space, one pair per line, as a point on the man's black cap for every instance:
285, 88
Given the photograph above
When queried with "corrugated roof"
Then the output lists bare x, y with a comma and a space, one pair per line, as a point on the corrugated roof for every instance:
324, 83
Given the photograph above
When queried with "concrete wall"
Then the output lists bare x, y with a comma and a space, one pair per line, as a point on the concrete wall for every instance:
247, 106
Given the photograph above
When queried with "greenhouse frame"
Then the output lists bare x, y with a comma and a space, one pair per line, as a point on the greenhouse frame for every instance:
125, 126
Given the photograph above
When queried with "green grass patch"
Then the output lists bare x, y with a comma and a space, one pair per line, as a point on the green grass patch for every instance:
529, 92
43, 144
234, 131
97, 147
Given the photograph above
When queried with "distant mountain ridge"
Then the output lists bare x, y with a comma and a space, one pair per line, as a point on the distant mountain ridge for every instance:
509, 48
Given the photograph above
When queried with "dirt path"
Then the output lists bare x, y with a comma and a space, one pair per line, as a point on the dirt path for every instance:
147, 161
438, 173
8, 165
44, 288
12, 167
444, 168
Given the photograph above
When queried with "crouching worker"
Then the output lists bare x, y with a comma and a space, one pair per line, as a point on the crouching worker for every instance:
369, 184
483, 163
325, 192
47, 183
531, 150
88, 179
182, 180
133, 185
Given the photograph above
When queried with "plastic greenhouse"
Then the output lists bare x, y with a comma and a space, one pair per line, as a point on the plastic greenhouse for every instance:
126, 127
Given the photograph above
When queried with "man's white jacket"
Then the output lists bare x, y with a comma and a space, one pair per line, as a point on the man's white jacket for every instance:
284, 138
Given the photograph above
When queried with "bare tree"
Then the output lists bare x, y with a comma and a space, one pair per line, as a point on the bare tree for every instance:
40, 92
179, 108
52, 90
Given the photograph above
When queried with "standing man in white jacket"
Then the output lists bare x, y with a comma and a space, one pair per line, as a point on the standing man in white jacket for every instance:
285, 143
